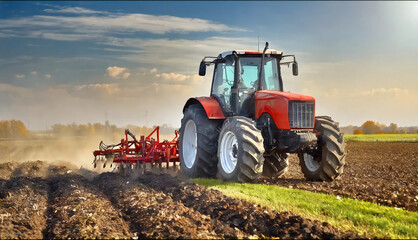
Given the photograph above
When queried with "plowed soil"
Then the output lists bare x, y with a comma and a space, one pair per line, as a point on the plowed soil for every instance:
381, 172
38, 200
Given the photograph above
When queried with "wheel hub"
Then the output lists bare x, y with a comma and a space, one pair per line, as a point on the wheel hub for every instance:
235, 151
229, 152
189, 144
311, 163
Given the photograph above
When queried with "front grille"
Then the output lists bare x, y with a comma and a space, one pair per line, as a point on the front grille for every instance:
301, 114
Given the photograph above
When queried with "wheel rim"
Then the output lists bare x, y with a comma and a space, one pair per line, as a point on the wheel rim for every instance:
310, 162
189, 144
229, 152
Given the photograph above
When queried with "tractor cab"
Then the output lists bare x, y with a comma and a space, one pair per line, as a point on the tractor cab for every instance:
239, 74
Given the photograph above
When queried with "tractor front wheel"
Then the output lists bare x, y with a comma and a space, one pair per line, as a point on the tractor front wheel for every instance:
240, 150
327, 162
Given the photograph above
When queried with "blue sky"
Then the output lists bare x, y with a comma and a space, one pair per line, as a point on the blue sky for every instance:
136, 62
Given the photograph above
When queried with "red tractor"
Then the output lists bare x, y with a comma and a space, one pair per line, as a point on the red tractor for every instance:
249, 124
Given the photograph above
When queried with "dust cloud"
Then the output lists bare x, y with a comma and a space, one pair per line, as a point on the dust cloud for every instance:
73, 153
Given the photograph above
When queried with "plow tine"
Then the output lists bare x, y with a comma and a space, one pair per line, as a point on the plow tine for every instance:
94, 161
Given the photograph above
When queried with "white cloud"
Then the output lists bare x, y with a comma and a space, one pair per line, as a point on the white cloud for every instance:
174, 77
104, 89
62, 36
126, 75
5, 34
34, 73
118, 72
20, 76
138, 22
171, 78
52, 27
48, 76
75, 10
392, 91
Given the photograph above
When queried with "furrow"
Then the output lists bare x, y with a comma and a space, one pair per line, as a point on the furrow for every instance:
154, 214
23, 203
79, 210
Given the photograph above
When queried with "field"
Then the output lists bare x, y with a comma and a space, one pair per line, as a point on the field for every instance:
384, 173
381, 137
46, 199
40, 200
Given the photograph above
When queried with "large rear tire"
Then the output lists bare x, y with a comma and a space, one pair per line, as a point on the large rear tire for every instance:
240, 150
198, 143
327, 163
275, 164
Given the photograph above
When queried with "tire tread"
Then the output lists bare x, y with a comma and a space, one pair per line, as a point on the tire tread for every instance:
333, 152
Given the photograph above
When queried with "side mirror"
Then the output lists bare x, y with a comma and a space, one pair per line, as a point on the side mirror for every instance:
202, 68
295, 68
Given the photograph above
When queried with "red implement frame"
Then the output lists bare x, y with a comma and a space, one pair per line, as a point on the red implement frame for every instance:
145, 150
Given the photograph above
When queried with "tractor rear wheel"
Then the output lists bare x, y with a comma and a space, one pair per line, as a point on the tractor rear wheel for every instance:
240, 150
275, 164
198, 143
327, 162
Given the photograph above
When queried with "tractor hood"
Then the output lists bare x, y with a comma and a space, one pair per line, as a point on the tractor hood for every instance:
285, 107
266, 95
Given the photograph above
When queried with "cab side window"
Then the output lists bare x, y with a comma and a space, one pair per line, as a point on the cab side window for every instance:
271, 75
223, 80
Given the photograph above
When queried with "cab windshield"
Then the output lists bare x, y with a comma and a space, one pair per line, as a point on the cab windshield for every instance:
250, 67
245, 80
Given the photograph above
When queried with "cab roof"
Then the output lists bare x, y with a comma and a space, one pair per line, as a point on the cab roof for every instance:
269, 51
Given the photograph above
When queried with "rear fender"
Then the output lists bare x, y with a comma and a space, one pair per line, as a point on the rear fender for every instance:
210, 104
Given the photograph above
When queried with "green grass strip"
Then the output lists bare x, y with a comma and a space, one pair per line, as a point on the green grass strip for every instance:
346, 214
381, 137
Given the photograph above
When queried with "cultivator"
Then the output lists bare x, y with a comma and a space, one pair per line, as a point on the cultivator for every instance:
136, 153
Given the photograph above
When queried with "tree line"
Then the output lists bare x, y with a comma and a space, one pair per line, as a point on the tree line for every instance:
17, 129
372, 127
13, 129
